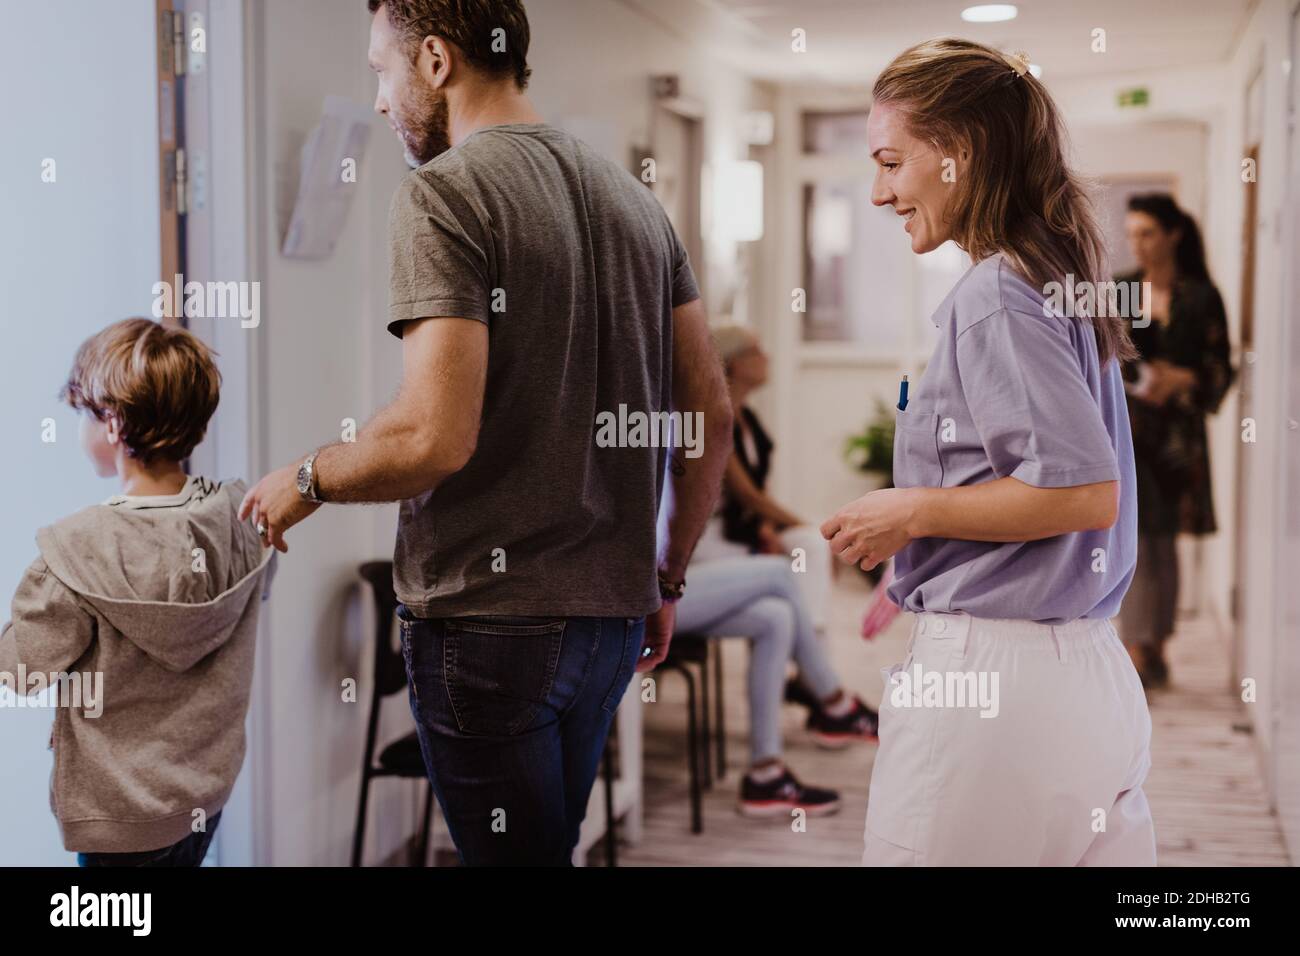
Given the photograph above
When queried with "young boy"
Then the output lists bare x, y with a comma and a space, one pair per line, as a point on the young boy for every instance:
157, 590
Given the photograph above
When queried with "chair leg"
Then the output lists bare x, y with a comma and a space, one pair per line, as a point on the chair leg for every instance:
428, 821
718, 710
358, 838
697, 821
611, 825
706, 732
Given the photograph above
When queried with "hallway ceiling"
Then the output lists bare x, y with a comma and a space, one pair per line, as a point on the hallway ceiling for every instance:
849, 41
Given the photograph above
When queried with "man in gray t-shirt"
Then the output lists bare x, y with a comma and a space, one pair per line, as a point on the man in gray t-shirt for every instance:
572, 265
553, 345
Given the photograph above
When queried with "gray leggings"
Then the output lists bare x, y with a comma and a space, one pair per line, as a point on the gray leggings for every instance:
757, 597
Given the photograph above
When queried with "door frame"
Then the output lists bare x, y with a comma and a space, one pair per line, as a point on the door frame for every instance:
1285, 779
223, 243
691, 114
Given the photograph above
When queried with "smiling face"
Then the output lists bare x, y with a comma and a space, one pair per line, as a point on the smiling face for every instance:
416, 111
909, 177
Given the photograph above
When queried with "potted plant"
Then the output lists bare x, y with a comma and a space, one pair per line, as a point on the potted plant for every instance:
871, 451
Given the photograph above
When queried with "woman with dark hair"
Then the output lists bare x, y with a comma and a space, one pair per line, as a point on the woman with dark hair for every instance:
1180, 375
1015, 732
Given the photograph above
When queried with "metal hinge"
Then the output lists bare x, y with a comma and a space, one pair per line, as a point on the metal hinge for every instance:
179, 46
182, 183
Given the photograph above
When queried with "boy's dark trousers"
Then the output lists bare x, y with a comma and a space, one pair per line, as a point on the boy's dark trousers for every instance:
512, 715
187, 852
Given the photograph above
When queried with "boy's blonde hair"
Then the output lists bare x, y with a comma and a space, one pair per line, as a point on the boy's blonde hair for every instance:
160, 383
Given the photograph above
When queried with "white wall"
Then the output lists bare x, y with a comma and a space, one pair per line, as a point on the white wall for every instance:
1264, 579
322, 354
315, 352
75, 255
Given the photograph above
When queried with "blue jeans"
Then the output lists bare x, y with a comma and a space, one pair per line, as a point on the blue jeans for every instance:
187, 852
512, 715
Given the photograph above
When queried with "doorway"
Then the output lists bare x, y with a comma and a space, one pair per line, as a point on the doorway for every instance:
678, 149
80, 247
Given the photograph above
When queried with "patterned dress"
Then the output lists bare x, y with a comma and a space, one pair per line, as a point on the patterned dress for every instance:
1169, 442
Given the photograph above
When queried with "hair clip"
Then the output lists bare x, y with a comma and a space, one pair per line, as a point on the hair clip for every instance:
1019, 62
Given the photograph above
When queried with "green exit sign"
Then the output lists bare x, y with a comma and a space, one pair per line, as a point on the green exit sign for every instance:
1136, 96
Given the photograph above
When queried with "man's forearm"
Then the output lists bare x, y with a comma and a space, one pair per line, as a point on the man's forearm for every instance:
1007, 509
391, 460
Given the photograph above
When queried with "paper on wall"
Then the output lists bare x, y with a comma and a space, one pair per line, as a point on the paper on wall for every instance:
328, 166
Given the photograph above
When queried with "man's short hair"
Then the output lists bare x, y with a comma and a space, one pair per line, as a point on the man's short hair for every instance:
493, 34
160, 383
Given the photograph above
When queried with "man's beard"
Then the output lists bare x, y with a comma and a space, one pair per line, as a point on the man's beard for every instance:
424, 127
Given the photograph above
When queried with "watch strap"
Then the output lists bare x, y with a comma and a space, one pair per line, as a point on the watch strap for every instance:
671, 591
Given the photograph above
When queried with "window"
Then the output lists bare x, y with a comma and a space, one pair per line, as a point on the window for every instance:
856, 268
835, 133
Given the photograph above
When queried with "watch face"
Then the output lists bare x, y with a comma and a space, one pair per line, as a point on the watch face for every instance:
304, 479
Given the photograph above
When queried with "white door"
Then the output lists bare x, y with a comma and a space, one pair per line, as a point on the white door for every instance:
79, 248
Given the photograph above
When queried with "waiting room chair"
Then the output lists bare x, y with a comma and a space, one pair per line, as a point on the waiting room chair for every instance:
689, 650
401, 758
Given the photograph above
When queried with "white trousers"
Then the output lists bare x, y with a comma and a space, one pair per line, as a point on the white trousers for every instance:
1011, 743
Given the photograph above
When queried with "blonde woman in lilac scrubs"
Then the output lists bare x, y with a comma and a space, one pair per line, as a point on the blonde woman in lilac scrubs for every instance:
1015, 732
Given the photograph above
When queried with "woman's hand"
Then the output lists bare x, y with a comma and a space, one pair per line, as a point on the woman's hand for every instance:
1167, 381
873, 528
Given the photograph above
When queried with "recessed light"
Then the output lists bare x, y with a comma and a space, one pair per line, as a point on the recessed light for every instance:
989, 13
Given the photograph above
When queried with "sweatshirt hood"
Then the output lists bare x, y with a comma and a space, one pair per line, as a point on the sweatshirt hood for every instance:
172, 574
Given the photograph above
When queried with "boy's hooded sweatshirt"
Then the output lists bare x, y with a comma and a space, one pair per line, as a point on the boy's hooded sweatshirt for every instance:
160, 595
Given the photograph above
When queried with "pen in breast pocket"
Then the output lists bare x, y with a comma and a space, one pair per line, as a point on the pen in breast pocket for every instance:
902, 394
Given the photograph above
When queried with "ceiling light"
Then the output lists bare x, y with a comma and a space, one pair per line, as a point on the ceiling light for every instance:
989, 13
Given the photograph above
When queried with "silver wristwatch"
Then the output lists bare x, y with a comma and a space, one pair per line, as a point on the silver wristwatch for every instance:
307, 480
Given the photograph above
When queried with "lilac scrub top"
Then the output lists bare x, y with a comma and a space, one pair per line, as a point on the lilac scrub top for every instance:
1015, 389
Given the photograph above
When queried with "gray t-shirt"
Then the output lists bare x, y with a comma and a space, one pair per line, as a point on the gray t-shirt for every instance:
575, 269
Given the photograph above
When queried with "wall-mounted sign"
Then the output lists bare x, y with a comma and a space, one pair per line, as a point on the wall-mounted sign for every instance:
1134, 96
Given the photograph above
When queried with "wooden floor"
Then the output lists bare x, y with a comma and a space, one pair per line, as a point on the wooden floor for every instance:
1207, 797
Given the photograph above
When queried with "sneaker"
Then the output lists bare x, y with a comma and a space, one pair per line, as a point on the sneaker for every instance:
797, 693
860, 723
1159, 670
778, 797
1153, 671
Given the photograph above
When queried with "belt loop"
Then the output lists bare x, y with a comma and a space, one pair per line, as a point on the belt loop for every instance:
961, 624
